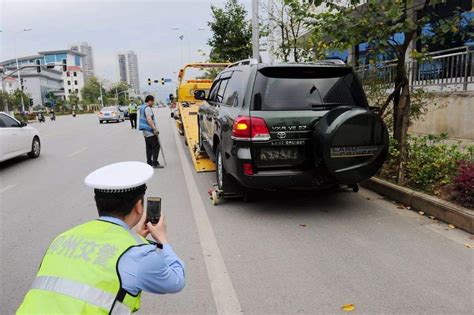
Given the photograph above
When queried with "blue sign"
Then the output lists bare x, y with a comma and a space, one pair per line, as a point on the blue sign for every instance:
168, 80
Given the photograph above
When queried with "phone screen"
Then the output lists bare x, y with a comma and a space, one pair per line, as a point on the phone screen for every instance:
153, 209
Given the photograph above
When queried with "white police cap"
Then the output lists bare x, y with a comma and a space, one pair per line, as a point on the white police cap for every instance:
120, 177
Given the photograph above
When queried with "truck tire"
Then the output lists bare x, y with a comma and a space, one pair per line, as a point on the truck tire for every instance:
351, 143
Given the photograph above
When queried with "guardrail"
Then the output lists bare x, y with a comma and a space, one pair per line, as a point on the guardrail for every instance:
451, 67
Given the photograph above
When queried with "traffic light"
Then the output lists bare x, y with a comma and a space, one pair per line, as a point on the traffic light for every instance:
162, 81
31, 102
149, 81
64, 65
38, 66
156, 81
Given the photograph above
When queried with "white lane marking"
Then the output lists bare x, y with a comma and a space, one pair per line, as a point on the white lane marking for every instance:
4, 189
77, 152
117, 131
224, 295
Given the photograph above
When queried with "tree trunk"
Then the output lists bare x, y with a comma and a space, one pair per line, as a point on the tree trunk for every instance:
400, 130
402, 108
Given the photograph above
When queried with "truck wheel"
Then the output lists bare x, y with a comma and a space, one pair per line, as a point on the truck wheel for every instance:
221, 174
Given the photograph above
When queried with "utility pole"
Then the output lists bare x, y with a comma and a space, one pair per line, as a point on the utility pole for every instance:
101, 96
18, 66
255, 31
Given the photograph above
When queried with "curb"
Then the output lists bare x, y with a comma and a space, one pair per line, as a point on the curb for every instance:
443, 210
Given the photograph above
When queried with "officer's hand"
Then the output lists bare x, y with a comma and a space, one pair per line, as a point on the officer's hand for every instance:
141, 228
158, 232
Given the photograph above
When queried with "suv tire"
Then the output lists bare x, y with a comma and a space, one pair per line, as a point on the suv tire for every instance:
223, 179
201, 142
352, 143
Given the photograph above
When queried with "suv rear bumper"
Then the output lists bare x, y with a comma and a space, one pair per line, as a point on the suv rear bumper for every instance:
284, 179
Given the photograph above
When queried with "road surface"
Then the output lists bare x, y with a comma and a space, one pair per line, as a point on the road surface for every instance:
281, 253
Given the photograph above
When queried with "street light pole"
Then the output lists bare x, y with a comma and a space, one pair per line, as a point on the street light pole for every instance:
255, 31
17, 64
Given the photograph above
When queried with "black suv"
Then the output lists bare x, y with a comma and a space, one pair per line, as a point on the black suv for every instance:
290, 126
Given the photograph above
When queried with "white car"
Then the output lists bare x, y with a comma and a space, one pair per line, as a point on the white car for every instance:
17, 138
111, 113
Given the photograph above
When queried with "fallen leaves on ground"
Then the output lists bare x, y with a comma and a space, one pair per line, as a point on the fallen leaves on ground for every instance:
348, 307
367, 198
421, 212
431, 217
451, 226
302, 224
469, 245
400, 207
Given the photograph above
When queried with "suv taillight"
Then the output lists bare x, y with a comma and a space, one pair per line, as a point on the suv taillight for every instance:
250, 128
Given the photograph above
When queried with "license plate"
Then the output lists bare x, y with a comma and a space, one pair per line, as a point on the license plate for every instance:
272, 154
288, 142
106, 114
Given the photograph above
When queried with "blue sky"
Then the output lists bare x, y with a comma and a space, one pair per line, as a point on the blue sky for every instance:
112, 26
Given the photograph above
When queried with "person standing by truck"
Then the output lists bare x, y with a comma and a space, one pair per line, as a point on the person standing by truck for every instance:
132, 112
147, 123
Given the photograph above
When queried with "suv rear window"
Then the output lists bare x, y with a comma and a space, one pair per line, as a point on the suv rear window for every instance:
306, 88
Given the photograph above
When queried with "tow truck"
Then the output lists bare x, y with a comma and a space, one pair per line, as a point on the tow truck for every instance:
187, 111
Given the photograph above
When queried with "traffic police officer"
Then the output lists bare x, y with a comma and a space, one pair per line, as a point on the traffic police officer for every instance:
132, 113
102, 266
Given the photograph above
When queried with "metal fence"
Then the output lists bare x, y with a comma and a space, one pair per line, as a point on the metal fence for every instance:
451, 67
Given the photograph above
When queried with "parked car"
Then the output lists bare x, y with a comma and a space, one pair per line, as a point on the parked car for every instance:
290, 126
17, 138
124, 110
111, 113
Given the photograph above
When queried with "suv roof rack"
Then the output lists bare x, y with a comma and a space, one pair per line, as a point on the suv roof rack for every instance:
245, 62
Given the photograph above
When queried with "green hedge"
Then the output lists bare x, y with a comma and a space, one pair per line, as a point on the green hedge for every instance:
432, 165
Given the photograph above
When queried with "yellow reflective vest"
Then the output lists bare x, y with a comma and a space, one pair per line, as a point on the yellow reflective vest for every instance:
79, 273
132, 108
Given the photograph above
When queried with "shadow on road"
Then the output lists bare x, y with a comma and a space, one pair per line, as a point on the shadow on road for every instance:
14, 162
295, 202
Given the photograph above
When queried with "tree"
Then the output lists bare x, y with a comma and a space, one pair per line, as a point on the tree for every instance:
91, 92
232, 33
388, 27
287, 28
4, 100
120, 89
14, 100
73, 101
52, 98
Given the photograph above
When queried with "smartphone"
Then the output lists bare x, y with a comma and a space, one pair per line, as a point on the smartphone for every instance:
153, 209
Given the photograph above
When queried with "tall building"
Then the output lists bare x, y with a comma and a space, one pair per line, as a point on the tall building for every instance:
122, 63
87, 60
128, 70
